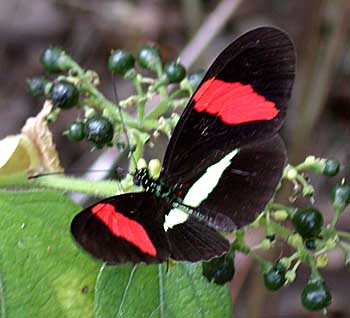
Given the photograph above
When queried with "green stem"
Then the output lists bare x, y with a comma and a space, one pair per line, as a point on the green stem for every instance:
302, 181
74, 67
179, 92
138, 140
163, 92
160, 109
303, 166
344, 234
307, 188
137, 84
70, 184
293, 256
141, 110
147, 80
296, 265
268, 229
265, 265
315, 274
280, 230
98, 101
140, 93
346, 251
150, 124
179, 103
321, 251
337, 213
278, 206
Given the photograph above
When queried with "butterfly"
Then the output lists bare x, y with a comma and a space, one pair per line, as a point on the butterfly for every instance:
221, 167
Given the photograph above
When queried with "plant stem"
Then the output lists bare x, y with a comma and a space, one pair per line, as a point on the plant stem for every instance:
344, 234
140, 102
178, 93
98, 101
263, 263
278, 206
280, 230
160, 109
336, 215
70, 184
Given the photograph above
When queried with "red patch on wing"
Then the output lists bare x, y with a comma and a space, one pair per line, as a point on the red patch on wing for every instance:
125, 228
234, 103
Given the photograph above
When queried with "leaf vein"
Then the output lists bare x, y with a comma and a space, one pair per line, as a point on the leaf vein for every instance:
131, 276
161, 291
2, 298
195, 296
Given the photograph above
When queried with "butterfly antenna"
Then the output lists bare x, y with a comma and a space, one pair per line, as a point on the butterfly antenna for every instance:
122, 119
45, 174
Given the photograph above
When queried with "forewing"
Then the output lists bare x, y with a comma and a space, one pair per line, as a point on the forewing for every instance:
126, 228
241, 100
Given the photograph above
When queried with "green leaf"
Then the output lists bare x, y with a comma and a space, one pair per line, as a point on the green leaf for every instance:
150, 291
42, 272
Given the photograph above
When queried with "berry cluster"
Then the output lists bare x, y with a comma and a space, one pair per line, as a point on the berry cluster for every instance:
101, 122
310, 237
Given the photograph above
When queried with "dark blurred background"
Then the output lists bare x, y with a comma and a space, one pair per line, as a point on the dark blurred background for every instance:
318, 120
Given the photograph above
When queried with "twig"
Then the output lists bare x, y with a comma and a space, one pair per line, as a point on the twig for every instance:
210, 28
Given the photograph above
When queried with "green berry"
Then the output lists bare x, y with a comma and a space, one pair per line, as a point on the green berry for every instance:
52, 59
99, 130
310, 244
64, 95
219, 270
274, 278
308, 222
120, 62
280, 266
316, 296
271, 237
175, 72
331, 167
341, 196
37, 85
75, 131
149, 57
195, 78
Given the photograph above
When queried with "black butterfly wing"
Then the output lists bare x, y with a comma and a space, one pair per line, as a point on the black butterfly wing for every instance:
247, 184
126, 228
194, 241
129, 228
241, 100
240, 104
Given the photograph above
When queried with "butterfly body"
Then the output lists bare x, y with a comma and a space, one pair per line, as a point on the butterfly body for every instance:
221, 167
155, 187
